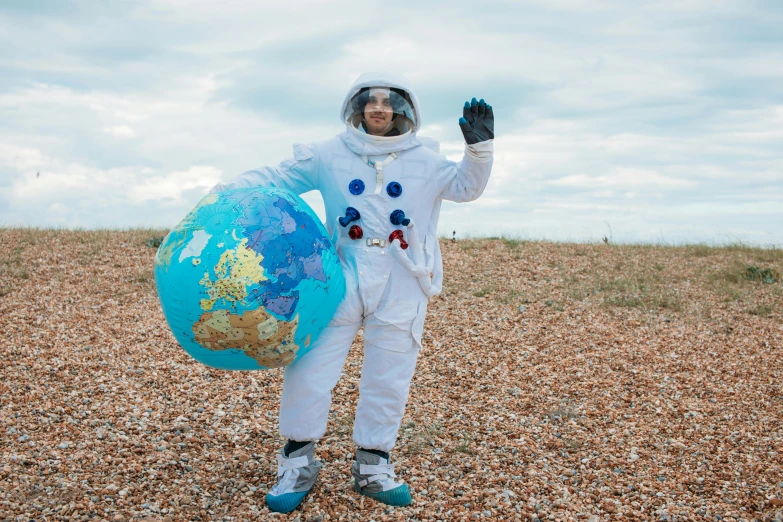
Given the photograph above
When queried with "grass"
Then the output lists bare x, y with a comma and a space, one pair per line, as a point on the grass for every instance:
145, 278
700, 250
154, 241
484, 292
740, 280
426, 437
623, 287
761, 310
761, 255
513, 244
464, 444
510, 297
643, 296
648, 278
13, 266
739, 272
765, 275
88, 255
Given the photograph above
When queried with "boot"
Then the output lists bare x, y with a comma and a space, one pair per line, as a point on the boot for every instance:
296, 474
374, 478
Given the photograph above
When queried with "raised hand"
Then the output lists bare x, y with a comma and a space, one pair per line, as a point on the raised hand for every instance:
477, 122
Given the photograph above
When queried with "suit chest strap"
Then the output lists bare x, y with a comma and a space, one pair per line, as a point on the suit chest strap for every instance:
378, 166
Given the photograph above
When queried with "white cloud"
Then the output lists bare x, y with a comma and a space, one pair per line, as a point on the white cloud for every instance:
120, 131
88, 196
171, 186
622, 179
662, 118
20, 158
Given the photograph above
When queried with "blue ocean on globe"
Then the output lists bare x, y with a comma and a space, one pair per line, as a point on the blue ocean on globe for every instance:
249, 279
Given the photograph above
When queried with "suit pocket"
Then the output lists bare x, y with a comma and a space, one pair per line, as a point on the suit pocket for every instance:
341, 165
396, 326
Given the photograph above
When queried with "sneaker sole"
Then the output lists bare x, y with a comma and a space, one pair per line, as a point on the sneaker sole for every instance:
398, 497
286, 502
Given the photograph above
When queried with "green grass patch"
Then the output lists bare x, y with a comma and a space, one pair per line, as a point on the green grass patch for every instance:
646, 290
512, 244
645, 299
767, 276
509, 297
739, 274
12, 266
154, 241
464, 444
91, 252
624, 301
761, 310
760, 255
700, 250
424, 438
145, 278
484, 292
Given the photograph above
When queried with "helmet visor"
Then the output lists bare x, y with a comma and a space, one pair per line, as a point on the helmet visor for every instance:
381, 111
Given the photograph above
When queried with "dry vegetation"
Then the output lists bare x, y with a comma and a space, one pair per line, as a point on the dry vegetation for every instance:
558, 382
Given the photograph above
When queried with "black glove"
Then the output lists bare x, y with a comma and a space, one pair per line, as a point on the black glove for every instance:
477, 122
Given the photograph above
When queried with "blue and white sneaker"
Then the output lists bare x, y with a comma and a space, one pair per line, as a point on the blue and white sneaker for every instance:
374, 478
296, 475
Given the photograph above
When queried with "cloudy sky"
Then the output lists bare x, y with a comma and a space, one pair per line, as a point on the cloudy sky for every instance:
652, 121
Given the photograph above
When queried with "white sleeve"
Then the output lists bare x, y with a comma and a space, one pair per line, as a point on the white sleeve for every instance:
298, 174
466, 180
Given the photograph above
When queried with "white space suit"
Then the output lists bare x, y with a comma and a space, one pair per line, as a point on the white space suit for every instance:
387, 291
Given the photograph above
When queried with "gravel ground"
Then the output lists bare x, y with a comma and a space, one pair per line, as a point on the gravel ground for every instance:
557, 382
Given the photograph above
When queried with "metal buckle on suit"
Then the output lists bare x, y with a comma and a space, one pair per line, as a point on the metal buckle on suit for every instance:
374, 241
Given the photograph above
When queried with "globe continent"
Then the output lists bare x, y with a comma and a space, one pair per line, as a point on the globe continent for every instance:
249, 279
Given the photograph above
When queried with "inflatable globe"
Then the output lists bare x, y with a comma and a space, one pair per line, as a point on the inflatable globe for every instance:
249, 279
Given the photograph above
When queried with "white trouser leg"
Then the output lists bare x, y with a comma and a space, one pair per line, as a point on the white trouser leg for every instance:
383, 393
308, 384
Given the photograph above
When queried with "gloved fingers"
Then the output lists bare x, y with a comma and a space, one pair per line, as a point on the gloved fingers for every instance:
466, 111
489, 114
474, 107
467, 131
482, 107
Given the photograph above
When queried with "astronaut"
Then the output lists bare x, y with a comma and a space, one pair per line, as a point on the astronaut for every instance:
382, 187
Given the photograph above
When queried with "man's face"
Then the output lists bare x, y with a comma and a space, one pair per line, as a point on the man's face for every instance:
378, 112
